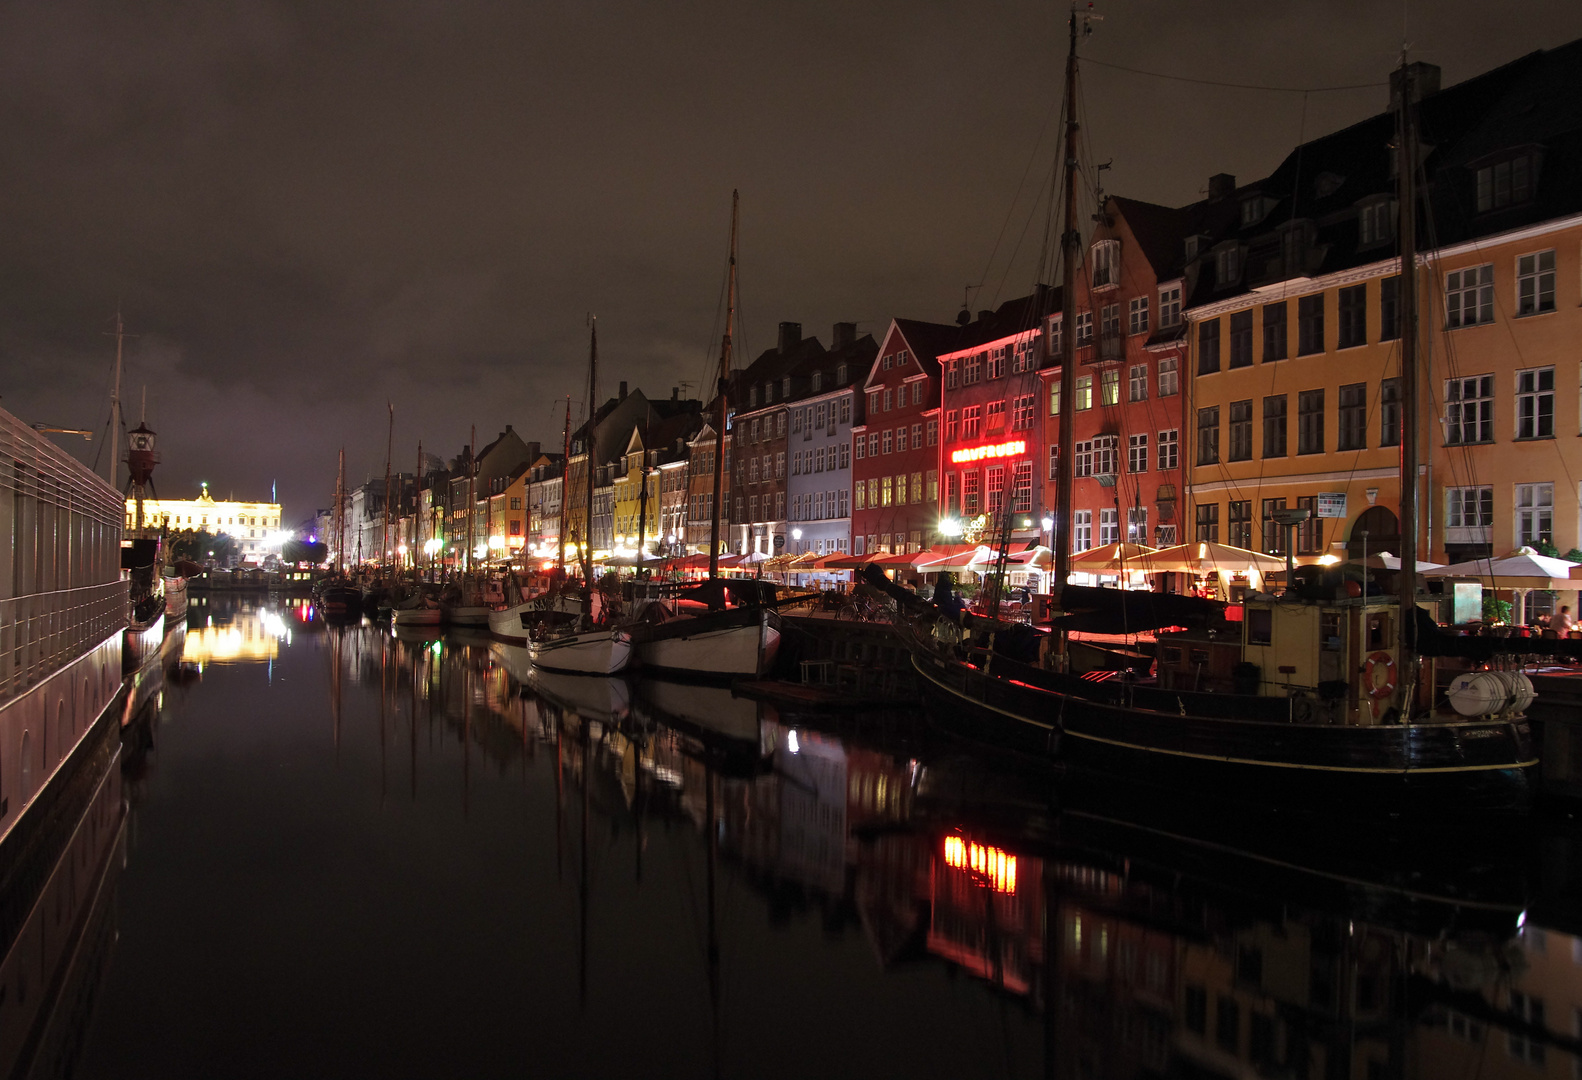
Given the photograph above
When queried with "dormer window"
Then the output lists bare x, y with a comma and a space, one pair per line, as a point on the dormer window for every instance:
1227, 265
1327, 183
1106, 263
1193, 243
1255, 209
840, 374
1376, 223
752, 398
818, 381
1509, 182
785, 387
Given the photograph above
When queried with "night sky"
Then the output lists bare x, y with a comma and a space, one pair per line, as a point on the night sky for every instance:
306, 209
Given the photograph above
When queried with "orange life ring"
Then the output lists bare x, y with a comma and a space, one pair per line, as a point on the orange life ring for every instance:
1387, 662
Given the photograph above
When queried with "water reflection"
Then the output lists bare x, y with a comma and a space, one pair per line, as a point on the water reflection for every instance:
756, 893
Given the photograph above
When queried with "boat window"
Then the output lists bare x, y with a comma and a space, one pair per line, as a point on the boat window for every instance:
1172, 656
1260, 626
1379, 635
1329, 630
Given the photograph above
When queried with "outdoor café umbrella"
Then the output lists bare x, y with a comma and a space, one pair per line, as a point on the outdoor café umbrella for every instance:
1111, 559
1522, 571
1203, 556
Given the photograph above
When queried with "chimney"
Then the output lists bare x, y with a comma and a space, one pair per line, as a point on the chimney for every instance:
1424, 81
675, 393
623, 389
984, 314
790, 336
1221, 185
845, 334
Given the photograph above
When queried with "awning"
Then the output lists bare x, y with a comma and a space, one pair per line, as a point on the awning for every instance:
1204, 556
1523, 568
1111, 559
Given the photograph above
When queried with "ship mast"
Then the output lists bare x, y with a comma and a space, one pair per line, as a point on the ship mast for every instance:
1071, 254
340, 510
565, 474
588, 446
115, 401
720, 416
384, 532
1406, 580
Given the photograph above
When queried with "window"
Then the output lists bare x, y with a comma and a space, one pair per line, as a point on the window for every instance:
845, 455
1506, 183
995, 487
1530, 1009
1390, 412
917, 436
1169, 307
1535, 403
1208, 347
845, 403
752, 507
1238, 523
1353, 328
889, 441
1310, 325
780, 503
1021, 412
952, 425
971, 480
780, 425
1376, 223
1137, 453
1084, 329
1310, 422
1535, 505
1137, 524
1469, 410
1054, 397
1021, 487
886, 490
752, 470
1137, 315
1081, 530
1276, 339
796, 463
1309, 533
1024, 357
996, 417
1110, 321
952, 374
1208, 435
873, 402
1390, 308
1137, 383
951, 487
1084, 393
889, 399
917, 486
1106, 455
1110, 386
1274, 426
972, 422
1469, 296
1083, 460
1241, 339
1109, 526
887, 362
1106, 263
1353, 433
1273, 531
1055, 341
861, 443
917, 392
861, 490
997, 362
1169, 449
1169, 378
1535, 283
1227, 266
933, 482
1469, 508
933, 423
1240, 431
972, 370
796, 421
1208, 522
780, 465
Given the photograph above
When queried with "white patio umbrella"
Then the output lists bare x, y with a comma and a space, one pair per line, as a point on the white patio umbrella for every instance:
1522, 571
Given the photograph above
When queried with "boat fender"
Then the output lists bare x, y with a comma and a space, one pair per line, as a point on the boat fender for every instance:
1377, 661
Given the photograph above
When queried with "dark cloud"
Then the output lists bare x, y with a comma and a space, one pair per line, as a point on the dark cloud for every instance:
305, 209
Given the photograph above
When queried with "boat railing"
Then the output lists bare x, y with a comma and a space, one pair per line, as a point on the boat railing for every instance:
43, 632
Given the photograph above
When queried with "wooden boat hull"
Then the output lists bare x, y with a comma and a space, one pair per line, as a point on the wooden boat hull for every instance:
743, 647
468, 615
420, 616
597, 652
1471, 766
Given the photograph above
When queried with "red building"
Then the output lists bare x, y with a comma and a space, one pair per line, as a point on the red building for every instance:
895, 442
1128, 412
993, 433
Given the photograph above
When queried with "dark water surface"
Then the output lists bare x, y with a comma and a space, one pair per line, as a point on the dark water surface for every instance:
347, 854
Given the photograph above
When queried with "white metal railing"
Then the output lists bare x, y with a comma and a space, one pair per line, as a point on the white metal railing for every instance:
42, 633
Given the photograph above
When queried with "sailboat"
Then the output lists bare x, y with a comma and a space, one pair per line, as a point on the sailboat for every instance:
577, 644
702, 633
1358, 746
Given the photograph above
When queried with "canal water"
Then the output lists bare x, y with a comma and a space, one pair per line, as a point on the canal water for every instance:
336, 851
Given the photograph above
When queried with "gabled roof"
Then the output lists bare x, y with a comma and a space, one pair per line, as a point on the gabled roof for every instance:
1157, 229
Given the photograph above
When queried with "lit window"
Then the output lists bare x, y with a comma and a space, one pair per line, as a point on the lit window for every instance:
1535, 283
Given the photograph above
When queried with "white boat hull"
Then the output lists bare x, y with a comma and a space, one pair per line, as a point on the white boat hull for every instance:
506, 624
416, 616
734, 651
597, 652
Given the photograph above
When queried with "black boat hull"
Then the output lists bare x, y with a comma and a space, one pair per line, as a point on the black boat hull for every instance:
1332, 770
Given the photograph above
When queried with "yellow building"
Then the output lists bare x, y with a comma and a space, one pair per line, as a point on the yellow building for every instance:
634, 512
507, 525
250, 524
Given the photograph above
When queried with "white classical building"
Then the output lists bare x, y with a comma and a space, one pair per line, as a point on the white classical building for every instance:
250, 524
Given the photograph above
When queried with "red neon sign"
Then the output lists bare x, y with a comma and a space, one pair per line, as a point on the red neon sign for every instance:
993, 450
